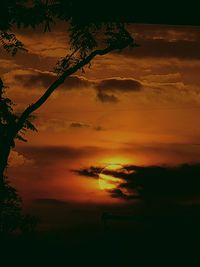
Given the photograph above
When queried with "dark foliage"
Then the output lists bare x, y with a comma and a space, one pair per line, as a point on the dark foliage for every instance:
12, 220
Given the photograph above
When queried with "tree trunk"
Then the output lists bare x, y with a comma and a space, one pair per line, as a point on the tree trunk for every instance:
5, 149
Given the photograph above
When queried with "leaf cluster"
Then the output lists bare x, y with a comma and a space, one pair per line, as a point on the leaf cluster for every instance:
10, 43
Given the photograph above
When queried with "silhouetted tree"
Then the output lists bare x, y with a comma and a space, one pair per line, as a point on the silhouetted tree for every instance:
88, 38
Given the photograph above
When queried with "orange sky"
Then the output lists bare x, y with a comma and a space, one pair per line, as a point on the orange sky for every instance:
141, 106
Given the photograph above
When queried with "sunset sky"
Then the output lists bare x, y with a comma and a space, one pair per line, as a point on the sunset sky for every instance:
137, 107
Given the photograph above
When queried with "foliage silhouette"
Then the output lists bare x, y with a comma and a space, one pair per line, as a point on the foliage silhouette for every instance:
12, 220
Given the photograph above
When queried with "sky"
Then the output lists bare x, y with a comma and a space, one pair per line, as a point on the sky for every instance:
139, 107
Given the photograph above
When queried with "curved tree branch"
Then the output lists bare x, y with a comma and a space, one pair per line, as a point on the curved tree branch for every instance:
29, 110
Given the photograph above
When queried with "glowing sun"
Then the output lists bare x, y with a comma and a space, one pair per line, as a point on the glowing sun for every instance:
108, 181
115, 161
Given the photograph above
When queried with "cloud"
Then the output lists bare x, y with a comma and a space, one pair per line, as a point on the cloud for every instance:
155, 183
44, 155
105, 88
161, 48
90, 172
30, 78
158, 152
7, 65
163, 78
49, 45
52, 124
118, 193
119, 85
34, 79
162, 182
168, 89
161, 41
98, 128
107, 98
60, 125
37, 79
170, 33
79, 125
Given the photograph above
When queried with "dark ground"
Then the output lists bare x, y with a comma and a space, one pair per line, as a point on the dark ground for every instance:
157, 241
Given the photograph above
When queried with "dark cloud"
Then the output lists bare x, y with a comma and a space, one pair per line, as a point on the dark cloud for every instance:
106, 98
161, 48
34, 78
160, 182
170, 33
60, 125
44, 155
98, 128
154, 183
105, 88
118, 193
90, 172
171, 153
119, 85
79, 125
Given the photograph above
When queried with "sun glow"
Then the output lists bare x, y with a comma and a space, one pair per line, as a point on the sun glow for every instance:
107, 181
115, 160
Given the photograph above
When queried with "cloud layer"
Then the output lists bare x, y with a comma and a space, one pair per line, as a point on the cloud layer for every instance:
153, 183
107, 90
